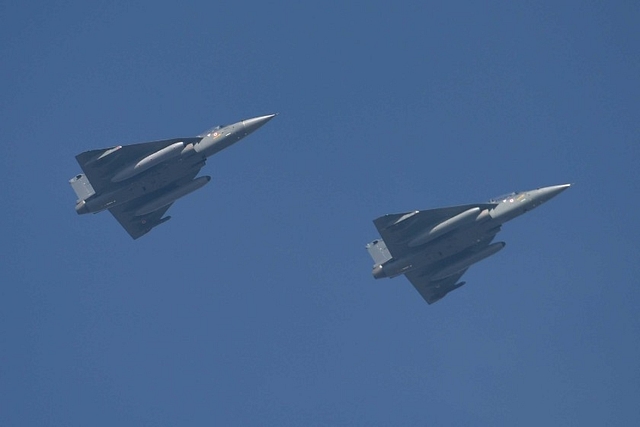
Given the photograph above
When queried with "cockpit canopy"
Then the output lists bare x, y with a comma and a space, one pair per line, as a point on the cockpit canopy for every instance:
502, 197
213, 129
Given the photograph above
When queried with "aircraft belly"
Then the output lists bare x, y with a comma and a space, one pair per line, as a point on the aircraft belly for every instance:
147, 183
451, 245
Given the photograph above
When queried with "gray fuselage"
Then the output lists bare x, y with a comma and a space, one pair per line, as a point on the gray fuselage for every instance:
461, 242
137, 181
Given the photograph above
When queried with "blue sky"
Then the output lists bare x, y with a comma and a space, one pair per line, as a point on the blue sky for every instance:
255, 304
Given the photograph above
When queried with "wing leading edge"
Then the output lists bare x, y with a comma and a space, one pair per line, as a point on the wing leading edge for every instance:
433, 291
138, 226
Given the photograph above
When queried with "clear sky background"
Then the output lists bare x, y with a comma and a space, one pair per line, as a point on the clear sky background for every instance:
255, 304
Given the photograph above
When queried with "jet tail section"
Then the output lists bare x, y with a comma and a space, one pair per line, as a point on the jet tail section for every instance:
82, 187
379, 252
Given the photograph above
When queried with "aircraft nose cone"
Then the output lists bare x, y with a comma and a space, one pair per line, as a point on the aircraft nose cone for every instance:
253, 124
548, 193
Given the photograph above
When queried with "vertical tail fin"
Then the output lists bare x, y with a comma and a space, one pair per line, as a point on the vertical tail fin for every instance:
82, 187
378, 251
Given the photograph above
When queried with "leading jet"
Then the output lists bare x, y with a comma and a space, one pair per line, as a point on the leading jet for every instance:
138, 183
434, 248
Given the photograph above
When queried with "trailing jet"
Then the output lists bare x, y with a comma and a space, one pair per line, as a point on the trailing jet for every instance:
139, 182
434, 248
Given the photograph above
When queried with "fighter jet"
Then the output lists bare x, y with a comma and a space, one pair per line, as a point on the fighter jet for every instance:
138, 183
434, 248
